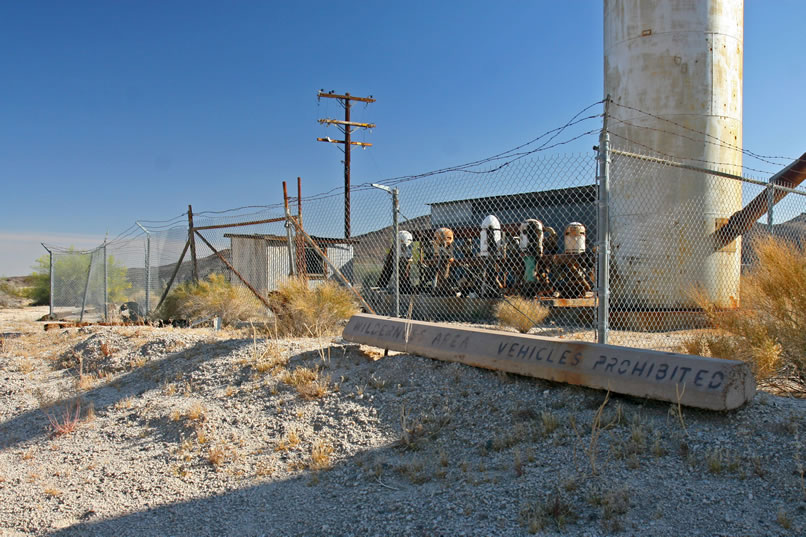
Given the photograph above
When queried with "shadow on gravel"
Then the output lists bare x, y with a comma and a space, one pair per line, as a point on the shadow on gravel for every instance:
34, 423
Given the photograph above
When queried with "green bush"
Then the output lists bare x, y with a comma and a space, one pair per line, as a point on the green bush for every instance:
70, 269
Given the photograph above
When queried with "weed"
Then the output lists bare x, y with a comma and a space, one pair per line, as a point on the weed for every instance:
614, 504
783, 519
264, 469
302, 311
412, 432
657, 447
769, 330
549, 421
518, 463
196, 412
213, 297
308, 382
125, 403
218, 455
520, 313
66, 420
288, 442
25, 366
229, 391
53, 493
552, 510
715, 460
320, 455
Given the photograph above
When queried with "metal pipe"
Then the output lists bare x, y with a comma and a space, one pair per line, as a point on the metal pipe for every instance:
50, 270
395, 211
603, 273
86, 288
770, 206
106, 286
147, 266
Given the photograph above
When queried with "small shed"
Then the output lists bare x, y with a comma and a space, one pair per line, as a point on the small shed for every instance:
263, 260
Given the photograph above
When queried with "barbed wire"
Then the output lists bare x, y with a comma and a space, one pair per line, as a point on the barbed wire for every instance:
724, 143
678, 157
705, 161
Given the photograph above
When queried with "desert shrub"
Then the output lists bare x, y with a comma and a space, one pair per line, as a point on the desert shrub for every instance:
212, 297
769, 329
520, 313
304, 311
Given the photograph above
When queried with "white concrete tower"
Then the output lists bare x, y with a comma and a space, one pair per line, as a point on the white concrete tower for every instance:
680, 61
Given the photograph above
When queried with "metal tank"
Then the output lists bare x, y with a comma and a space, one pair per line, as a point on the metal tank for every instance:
680, 61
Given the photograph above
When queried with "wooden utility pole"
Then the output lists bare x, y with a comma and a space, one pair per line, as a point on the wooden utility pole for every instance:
346, 128
192, 241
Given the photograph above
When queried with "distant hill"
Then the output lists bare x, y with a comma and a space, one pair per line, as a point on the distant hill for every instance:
793, 230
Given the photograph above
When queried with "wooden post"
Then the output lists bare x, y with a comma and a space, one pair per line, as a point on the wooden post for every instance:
192, 241
327, 260
291, 262
302, 268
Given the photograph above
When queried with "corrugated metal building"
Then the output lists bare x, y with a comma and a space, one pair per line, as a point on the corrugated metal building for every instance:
263, 260
555, 208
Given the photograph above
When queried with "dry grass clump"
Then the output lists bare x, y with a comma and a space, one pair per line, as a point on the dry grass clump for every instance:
213, 297
520, 313
768, 331
64, 420
320, 455
303, 311
308, 382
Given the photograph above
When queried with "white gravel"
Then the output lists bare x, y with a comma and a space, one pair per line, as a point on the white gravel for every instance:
192, 434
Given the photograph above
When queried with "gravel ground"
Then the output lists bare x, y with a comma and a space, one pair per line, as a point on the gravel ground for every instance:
194, 432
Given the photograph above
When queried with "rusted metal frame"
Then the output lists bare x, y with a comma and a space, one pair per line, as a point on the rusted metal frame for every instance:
238, 274
327, 260
173, 275
241, 224
783, 182
741, 221
192, 245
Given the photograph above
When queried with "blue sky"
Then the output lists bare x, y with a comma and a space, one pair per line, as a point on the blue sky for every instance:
116, 111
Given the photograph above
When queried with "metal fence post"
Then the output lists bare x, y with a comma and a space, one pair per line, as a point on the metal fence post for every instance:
147, 267
770, 206
86, 290
106, 286
50, 270
603, 274
395, 210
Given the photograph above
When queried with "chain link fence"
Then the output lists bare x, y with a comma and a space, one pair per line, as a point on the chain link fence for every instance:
518, 244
